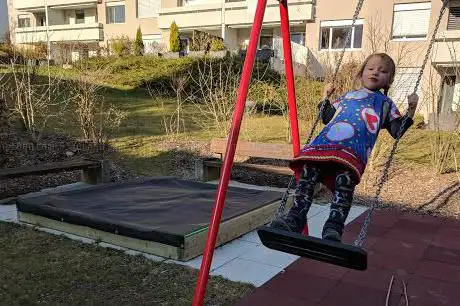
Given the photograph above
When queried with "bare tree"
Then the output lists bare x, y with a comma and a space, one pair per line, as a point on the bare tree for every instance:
95, 121
176, 123
378, 39
216, 88
36, 99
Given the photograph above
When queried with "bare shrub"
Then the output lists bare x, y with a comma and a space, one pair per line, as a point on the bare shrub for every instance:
175, 124
378, 40
216, 90
157, 93
442, 148
121, 45
96, 122
36, 99
5, 112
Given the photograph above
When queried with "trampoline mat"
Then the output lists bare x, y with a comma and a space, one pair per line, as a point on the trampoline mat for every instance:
161, 209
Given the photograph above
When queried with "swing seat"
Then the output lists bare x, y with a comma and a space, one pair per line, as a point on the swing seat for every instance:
314, 248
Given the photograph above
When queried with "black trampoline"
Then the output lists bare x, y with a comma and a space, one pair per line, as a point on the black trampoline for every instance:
165, 216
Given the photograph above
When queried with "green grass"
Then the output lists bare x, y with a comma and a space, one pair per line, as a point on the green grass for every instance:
39, 268
140, 133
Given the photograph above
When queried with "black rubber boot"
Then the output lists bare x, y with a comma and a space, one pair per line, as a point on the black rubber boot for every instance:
296, 218
340, 207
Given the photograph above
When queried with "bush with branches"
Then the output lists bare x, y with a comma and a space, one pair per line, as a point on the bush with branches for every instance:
121, 46
34, 99
174, 38
139, 43
96, 122
217, 45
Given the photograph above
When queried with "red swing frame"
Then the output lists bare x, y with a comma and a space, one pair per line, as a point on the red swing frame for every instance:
235, 130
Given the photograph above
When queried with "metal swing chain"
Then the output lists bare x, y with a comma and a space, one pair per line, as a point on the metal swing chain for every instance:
363, 233
359, 6
339, 63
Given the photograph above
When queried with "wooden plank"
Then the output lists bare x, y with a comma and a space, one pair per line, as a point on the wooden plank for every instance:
258, 167
145, 246
193, 245
233, 228
268, 168
255, 149
47, 168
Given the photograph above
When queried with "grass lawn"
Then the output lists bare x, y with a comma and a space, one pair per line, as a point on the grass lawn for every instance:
143, 129
40, 268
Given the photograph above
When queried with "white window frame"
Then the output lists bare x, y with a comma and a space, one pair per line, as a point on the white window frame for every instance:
410, 7
331, 24
455, 7
25, 17
112, 4
407, 76
84, 16
155, 14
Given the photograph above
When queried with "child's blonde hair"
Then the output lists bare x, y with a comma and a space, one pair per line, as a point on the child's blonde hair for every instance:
388, 61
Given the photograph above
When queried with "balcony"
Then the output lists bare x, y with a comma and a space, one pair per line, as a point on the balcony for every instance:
190, 17
233, 14
239, 14
69, 33
32, 5
446, 48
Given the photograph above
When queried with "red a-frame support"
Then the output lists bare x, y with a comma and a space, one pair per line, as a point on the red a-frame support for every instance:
235, 130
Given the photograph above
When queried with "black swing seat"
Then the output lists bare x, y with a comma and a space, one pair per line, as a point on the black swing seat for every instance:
314, 248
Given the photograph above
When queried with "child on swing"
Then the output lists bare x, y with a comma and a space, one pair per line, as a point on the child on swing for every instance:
338, 156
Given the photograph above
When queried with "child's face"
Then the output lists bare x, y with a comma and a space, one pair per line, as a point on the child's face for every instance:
376, 74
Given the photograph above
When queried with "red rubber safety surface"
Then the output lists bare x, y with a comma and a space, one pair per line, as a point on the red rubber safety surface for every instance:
422, 251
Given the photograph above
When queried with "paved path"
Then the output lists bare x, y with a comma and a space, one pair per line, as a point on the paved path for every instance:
244, 259
422, 251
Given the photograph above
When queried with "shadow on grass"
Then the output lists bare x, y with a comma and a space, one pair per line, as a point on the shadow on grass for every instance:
145, 115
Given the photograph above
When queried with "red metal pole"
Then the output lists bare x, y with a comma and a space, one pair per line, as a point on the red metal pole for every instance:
286, 34
230, 154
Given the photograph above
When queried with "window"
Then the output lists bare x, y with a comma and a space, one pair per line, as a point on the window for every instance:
450, 94
79, 16
334, 34
148, 8
23, 22
453, 22
152, 43
411, 21
404, 84
298, 38
266, 42
456, 99
116, 12
41, 20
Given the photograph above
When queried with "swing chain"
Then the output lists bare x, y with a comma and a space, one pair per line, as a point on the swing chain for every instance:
359, 6
282, 206
384, 177
323, 104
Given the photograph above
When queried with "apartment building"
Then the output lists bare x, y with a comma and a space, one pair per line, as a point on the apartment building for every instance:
92, 23
401, 28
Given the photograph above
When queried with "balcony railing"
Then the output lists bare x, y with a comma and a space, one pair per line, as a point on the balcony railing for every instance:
446, 49
240, 13
236, 13
191, 16
34, 4
74, 32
